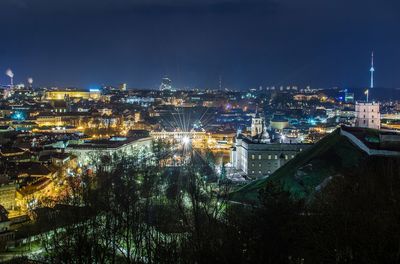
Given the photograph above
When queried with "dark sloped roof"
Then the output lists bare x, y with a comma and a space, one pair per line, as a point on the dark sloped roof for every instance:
11, 150
3, 214
33, 168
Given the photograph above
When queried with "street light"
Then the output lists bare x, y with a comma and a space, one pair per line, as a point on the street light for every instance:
185, 140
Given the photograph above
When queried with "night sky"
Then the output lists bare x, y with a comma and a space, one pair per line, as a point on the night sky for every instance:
249, 43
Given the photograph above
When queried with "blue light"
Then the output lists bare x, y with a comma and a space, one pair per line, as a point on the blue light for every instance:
18, 115
94, 88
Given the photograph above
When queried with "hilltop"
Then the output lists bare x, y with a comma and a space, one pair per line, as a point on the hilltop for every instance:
344, 151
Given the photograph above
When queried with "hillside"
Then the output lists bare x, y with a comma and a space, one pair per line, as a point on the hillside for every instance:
311, 169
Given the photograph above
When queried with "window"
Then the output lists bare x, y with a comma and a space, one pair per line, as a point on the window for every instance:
253, 157
276, 156
372, 121
252, 164
286, 157
292, 156
269, 156
259, 172
259, 164
259, 157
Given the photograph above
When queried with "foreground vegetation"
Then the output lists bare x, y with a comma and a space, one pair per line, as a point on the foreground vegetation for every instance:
138, 212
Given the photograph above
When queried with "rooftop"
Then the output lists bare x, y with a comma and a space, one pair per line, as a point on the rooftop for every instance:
106, 143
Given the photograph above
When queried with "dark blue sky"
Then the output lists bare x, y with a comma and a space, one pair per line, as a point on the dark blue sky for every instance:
249, 42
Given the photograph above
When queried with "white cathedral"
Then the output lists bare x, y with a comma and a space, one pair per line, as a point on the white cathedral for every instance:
256, 156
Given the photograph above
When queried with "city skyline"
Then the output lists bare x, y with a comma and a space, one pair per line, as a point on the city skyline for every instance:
244, 44
199, 131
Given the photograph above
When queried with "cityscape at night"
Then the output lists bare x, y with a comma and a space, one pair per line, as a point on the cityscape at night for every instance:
214, 131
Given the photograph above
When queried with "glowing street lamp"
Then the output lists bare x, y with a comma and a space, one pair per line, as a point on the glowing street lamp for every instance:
185, 140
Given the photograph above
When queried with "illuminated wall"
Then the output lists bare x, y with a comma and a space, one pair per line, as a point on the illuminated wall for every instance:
60, 95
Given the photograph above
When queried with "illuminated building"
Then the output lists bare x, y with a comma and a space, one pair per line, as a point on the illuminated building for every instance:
60, 106
257, 125
122, 87
73, 94
348, 97
260, 159
166, 84
368, 115
256, 156
49, 120
119, 146
279, 123
105, 111
221, 140
77, 119
28, 196
304, 97
143, 101
199, 139
7, 195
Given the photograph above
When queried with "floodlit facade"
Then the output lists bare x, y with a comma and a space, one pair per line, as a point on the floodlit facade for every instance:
368, 115
256, 156
7, 195
62, 94
262, 159
89, 152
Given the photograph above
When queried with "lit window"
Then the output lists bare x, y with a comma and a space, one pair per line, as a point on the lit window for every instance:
276, 156
252, 157
269, 156
259, 157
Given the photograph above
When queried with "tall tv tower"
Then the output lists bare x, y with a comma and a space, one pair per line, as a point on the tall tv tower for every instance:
372, 70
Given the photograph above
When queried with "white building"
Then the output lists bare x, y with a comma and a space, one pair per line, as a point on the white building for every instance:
90, 152
257, 125
256, 156
368, 115
258, 159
